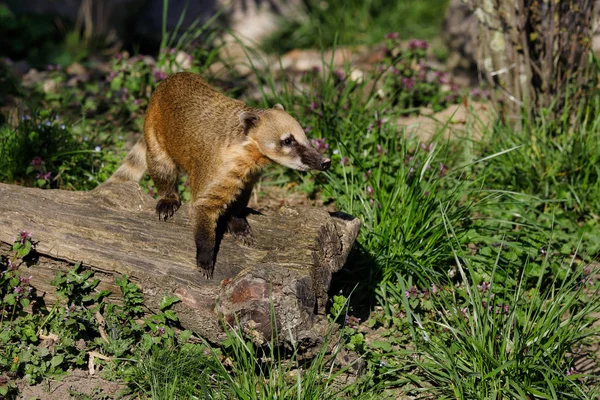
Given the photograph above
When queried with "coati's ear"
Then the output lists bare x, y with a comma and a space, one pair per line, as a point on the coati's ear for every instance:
249, 119
278, 107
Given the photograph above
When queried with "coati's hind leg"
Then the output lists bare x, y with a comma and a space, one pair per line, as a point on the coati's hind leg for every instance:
235, 217
163, 172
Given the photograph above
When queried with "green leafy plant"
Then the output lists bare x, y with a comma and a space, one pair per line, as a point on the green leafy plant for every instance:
355, 22
409, 82
46, 152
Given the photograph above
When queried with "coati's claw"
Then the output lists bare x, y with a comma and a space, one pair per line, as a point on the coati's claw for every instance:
241, 230
166, 208
205, 256
206, 265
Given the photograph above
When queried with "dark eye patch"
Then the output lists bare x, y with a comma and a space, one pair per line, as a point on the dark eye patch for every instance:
288, 141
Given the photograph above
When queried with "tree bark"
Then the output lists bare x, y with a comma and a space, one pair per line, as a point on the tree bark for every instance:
279, 282
536, 53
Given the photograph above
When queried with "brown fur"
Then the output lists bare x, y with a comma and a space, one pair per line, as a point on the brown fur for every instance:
222, 144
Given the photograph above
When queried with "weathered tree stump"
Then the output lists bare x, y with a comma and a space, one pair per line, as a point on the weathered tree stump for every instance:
113, 230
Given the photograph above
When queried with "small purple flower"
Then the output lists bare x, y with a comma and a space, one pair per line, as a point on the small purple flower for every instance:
25, 118
408, 83
345, 161
443, 169
392, 35
427, 147
45, 176
411, 292
506, 309
572, 371
159, 75
36, 161
415, 44
370, 190
463, 311
63, 127
25, 236
339, 74
48, 123
119, 56
161, 330
484, 287
320, 144
18, 289
136, 101
111, 76
443, 77
434, 288
308, 129
542, 251
379, 149
313, 105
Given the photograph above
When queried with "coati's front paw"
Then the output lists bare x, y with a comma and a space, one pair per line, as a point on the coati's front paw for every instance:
206, 265
165, 208
205, 258
241, 230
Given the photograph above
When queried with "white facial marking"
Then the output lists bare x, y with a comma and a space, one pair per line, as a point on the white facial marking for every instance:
294, 163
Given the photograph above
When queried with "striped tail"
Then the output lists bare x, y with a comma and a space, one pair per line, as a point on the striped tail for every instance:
134, 166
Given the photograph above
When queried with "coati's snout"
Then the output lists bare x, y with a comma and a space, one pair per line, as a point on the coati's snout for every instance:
282, 140
313, 159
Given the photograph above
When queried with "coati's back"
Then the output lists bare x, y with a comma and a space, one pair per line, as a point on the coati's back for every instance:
191, 121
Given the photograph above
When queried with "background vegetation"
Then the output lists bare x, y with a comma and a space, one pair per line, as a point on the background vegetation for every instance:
476, 257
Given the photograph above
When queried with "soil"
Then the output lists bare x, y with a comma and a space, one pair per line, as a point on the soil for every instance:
78, 384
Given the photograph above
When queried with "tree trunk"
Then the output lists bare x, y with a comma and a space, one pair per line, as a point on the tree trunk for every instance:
113, 230
535, 52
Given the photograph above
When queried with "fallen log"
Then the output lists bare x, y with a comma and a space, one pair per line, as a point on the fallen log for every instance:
113, 230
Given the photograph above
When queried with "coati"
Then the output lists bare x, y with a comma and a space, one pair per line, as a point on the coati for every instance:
222, 144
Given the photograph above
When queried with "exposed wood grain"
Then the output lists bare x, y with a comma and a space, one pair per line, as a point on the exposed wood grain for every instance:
113, 230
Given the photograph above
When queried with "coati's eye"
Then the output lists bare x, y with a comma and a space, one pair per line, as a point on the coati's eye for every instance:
288, 141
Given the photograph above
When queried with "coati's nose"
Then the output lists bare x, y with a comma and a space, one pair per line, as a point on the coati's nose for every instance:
325, 164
